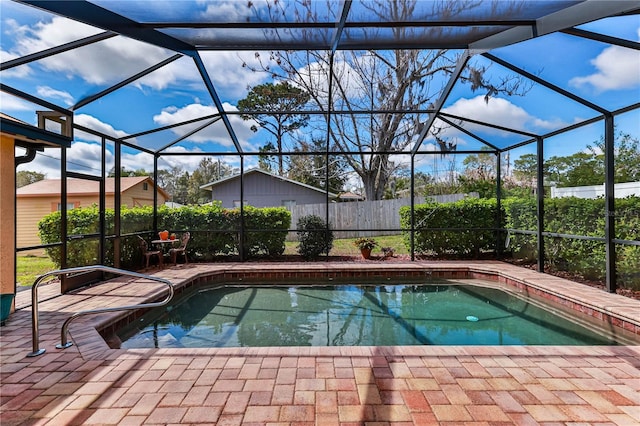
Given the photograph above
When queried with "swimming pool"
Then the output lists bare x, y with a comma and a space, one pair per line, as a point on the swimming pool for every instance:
355, 315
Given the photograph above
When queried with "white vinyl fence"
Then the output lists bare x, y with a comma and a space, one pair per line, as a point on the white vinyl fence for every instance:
620, 190
373, 218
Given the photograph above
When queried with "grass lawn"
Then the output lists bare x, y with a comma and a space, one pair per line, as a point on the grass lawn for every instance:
28, 267
345, 247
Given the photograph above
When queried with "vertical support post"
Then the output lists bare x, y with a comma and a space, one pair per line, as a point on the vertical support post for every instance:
498, 225
63, 208
413, 204
117, 201
155, 192
102, 222
540, 203
609, 195
241, 231
326, 190
328, 139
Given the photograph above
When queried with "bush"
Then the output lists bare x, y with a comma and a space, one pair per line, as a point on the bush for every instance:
214, 231
475, 220
266, 230
315, 237
578, 216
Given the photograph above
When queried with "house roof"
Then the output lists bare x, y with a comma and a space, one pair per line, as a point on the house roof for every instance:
27, 134
210, 186
351, 196
47, 187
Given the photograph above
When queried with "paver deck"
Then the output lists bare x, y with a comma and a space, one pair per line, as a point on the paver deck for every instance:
90, 383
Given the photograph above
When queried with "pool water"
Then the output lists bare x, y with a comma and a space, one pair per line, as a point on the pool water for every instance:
354, 315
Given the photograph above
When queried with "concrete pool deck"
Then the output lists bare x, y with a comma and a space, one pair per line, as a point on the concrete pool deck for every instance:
90, 383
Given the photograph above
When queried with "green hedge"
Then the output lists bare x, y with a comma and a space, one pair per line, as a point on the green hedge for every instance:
214, 231
578, 216
573, 216
468, 215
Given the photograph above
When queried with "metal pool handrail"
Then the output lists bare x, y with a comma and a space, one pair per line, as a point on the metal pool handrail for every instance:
63, 342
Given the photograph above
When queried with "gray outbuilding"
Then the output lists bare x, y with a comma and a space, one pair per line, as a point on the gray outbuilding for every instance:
263, 189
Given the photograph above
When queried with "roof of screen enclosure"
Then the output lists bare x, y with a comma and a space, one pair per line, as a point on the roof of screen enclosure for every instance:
477, 31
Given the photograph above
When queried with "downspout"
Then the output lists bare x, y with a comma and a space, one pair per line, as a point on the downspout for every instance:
22, 159
27, 157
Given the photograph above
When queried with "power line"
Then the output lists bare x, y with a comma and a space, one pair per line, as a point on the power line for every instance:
69, 162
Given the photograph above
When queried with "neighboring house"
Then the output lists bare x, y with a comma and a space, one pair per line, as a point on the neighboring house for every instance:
263, 189
345, 197
38, 199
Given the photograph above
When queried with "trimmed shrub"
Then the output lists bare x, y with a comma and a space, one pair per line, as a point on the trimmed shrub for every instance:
266, 230
572, 216
577, 216
214, 231
315, 237
473, 218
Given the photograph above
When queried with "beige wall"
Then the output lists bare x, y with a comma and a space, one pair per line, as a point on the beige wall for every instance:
7, 214
31, 209
138, 197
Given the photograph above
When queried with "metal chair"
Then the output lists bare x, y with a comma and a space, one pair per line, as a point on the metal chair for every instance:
174, 252
144, 248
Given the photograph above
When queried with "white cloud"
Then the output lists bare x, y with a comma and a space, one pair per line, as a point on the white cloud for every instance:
100, 63
231, 11
188, 163
48, 92
81, 157
10, 103
227, 73
617, 68
21, 71
217, 132
497, 111
95, 124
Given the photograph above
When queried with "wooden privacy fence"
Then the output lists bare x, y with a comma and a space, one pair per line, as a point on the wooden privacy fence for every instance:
364, 218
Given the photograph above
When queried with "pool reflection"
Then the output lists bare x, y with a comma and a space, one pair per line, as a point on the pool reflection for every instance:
354, 315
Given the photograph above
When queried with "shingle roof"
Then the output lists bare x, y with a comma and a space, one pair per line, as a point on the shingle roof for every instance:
209, 186
77, 187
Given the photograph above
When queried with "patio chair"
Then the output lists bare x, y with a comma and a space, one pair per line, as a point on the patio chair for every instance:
174, 252
144, 248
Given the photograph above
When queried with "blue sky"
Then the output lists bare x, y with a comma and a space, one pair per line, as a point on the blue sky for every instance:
606, 75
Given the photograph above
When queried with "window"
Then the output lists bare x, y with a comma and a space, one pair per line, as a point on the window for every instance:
289, 204
236, 203
145, 186
69, 206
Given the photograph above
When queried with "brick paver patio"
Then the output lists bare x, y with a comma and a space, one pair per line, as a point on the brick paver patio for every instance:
89, 383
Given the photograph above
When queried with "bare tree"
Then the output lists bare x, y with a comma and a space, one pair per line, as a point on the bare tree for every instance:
389, 82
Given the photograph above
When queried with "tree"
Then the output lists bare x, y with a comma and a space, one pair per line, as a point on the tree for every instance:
279, 103
579, 169
383, 81
480, 167
400, 184
184, 187
585, 168
25, 177
126, 173
479, 174
626, 159
208, 170
525, 169
168, 180
311, 169
267, 157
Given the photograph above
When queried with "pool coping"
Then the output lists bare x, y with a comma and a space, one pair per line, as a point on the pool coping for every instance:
611, 310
